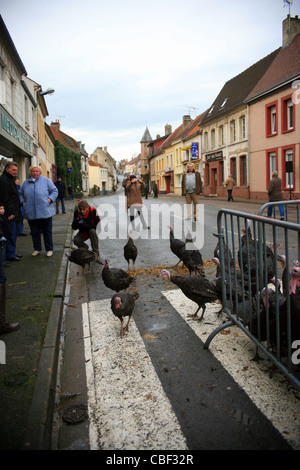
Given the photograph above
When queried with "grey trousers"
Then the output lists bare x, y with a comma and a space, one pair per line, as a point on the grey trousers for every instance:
79, 241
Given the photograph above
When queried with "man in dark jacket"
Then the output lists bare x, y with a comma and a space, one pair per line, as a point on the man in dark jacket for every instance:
61, 195
10, 197
275, 194
85, 221
191, 188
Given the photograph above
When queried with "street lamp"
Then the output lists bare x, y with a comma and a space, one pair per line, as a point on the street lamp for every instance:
49, 91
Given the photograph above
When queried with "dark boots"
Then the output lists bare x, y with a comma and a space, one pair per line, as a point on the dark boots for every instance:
4, 326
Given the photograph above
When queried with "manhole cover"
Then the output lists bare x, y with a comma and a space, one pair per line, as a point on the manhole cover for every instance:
16, 379
75, 414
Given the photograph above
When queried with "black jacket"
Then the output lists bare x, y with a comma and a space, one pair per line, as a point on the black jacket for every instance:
85, 223
9, 195
4, 227
61, 189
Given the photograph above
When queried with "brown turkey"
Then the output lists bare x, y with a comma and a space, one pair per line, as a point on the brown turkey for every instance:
122, 305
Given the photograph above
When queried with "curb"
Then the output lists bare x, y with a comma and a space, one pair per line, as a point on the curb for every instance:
40, 417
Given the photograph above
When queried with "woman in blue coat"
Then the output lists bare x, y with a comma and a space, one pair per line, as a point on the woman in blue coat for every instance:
37, 196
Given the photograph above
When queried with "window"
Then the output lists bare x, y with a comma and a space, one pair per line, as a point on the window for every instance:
288, 114
232, 131
243, 171
205, 140
271, 119
221, 136
288, 170
213, 139
242, 127
233, 168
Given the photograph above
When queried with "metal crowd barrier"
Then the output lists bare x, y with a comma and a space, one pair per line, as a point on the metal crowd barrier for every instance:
291, 209
250, 247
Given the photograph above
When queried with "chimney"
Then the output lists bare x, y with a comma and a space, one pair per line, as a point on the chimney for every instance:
168, 129
290, 28
55, 124
186, 120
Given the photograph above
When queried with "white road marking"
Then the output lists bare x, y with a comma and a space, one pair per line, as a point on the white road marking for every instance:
277, 400
128, 408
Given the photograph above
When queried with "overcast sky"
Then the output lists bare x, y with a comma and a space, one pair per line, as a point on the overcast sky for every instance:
118, 66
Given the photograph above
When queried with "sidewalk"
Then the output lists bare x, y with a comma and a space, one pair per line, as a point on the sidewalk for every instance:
34, 297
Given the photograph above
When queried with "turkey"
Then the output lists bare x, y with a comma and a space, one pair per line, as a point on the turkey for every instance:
115, 279
192, 258
177, 246
248, 255
82, 256
227, 251
285, 273
197, 288
130, 251
295, 302
122, 305
233, 282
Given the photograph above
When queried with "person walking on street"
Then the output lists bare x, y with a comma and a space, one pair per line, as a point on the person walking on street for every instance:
70, 191
155, 190
9, 196
275, 194
86, 220
230, 183
191, 188
37, 196
5, 327
61, 187
133, 190
146, 190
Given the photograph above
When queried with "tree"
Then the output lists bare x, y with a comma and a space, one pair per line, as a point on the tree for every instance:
63, 155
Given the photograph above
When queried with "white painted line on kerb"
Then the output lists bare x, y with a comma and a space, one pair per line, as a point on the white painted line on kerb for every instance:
128, 408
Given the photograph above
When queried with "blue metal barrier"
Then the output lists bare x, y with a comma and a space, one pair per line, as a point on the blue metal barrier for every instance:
252, 284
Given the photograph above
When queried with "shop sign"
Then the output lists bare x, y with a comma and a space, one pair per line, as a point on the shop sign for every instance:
16, 134
195, 151
213, 157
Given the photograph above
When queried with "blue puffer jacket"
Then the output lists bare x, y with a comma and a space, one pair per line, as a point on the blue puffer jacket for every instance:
36, 193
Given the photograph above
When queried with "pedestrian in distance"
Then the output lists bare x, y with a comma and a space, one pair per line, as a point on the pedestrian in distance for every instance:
61, 187
20, 224
191, 188
86, 220
70, 191
37, 196
275, 194
126, 179
133, 189
146, 190
229, 184
9, 196
4, 234
155, 190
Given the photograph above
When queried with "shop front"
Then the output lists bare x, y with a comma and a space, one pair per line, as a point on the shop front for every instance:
214, 174
15, 144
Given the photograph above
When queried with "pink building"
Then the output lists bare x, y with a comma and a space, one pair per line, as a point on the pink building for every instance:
274, 120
